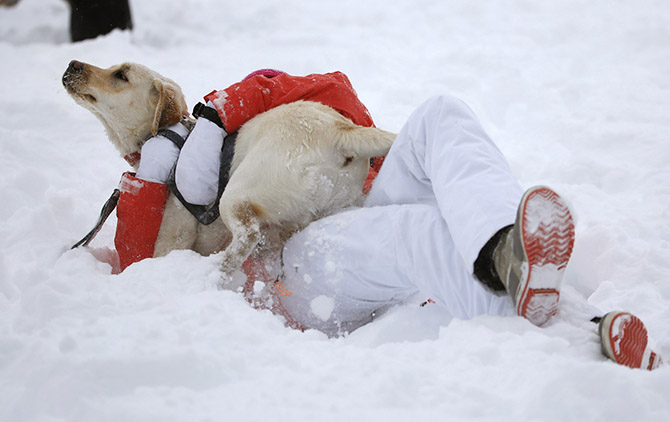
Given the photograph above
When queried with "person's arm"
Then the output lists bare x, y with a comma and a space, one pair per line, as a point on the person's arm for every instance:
142, 199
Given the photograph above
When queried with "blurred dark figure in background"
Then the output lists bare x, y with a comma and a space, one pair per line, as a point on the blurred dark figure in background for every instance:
91, 18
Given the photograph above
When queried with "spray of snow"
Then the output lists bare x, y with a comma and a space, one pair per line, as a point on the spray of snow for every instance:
322, 307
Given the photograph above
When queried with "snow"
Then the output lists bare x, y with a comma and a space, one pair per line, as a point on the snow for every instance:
575, 93
322, 306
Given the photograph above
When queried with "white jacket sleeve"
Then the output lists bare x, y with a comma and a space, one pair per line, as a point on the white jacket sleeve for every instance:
197, 172
158, 156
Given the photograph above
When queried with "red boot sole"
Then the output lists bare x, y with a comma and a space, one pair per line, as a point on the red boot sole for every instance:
548, 235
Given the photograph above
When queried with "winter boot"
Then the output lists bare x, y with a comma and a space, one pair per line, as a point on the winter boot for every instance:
139, 214
623, 337
531, 256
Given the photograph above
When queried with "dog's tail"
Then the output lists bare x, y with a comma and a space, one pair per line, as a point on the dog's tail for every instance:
361, 141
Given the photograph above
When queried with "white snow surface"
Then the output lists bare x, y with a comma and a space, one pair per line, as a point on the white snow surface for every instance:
577, 95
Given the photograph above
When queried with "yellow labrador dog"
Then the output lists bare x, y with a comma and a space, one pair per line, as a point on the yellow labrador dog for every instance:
292, 164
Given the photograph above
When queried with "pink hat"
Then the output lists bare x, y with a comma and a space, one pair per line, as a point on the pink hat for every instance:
268, 73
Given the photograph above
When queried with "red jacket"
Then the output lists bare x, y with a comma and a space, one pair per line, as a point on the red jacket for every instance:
244, 100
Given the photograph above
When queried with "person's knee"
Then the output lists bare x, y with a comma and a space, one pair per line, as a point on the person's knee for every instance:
446, 112
447, 102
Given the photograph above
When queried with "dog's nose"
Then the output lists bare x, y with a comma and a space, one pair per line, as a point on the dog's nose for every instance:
73, 73
75, 66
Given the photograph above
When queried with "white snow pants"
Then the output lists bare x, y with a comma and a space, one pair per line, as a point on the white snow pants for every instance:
444, 190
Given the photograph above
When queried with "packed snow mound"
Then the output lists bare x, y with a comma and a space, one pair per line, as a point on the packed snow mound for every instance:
576, 94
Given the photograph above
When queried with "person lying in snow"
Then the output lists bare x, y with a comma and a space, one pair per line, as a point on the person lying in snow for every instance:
445, 216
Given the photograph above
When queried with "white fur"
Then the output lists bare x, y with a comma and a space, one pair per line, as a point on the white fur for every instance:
293, 164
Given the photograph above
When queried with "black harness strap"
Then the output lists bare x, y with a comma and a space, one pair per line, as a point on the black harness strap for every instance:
104, 213
207, 214
201, 110
172, 136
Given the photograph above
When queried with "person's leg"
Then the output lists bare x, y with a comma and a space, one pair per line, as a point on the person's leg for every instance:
443, 156
344, 268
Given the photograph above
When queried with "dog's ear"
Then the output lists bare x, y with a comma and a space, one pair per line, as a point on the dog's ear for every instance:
170, 107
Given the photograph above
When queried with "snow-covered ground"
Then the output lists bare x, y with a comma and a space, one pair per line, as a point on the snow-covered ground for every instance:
576, 93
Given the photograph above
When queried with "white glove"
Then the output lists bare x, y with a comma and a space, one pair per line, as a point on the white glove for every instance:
158, 156
197, 173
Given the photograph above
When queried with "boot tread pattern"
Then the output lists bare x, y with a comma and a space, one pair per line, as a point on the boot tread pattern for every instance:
548, 234
624, 338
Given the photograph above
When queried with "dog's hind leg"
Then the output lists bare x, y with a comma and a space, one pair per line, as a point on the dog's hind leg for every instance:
243, 219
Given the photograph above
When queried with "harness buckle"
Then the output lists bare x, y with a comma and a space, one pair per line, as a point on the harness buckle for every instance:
201, 110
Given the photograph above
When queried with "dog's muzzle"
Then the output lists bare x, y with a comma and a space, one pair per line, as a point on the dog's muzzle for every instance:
76, 77
73, 75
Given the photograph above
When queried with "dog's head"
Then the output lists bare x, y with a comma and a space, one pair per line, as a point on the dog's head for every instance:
131, 100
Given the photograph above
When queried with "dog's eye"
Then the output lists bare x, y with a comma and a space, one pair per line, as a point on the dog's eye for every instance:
121, 75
